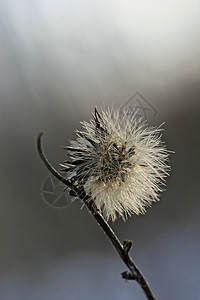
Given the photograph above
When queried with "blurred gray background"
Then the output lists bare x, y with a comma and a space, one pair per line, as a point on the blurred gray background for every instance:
58, 59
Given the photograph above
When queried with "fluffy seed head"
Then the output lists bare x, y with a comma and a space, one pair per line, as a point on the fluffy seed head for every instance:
120, 162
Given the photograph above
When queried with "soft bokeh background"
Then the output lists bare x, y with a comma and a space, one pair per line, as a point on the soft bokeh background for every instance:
58, 59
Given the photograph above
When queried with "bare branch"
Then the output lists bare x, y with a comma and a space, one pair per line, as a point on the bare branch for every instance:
122, 249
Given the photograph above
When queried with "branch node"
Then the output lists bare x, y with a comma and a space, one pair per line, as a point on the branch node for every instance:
127, 244
129, 275
72, 193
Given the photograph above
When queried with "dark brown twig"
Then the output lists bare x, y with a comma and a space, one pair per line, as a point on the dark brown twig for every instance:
122, 249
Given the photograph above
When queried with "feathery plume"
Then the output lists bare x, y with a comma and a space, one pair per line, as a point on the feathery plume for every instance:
119, 161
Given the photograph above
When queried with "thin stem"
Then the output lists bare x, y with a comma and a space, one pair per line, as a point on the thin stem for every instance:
122, 249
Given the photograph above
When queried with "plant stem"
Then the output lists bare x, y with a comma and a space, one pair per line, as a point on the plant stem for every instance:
122, 249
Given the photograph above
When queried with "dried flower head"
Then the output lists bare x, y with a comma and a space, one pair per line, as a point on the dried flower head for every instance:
120, 162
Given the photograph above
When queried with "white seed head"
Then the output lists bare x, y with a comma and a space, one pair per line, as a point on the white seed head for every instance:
120, 162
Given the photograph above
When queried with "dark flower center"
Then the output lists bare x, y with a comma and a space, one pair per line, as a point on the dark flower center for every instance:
113, 162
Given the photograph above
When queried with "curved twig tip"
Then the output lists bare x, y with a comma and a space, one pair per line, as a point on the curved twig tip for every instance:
40, 135
39, 141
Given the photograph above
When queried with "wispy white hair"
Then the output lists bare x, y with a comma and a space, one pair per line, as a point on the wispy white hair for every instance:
120, 162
